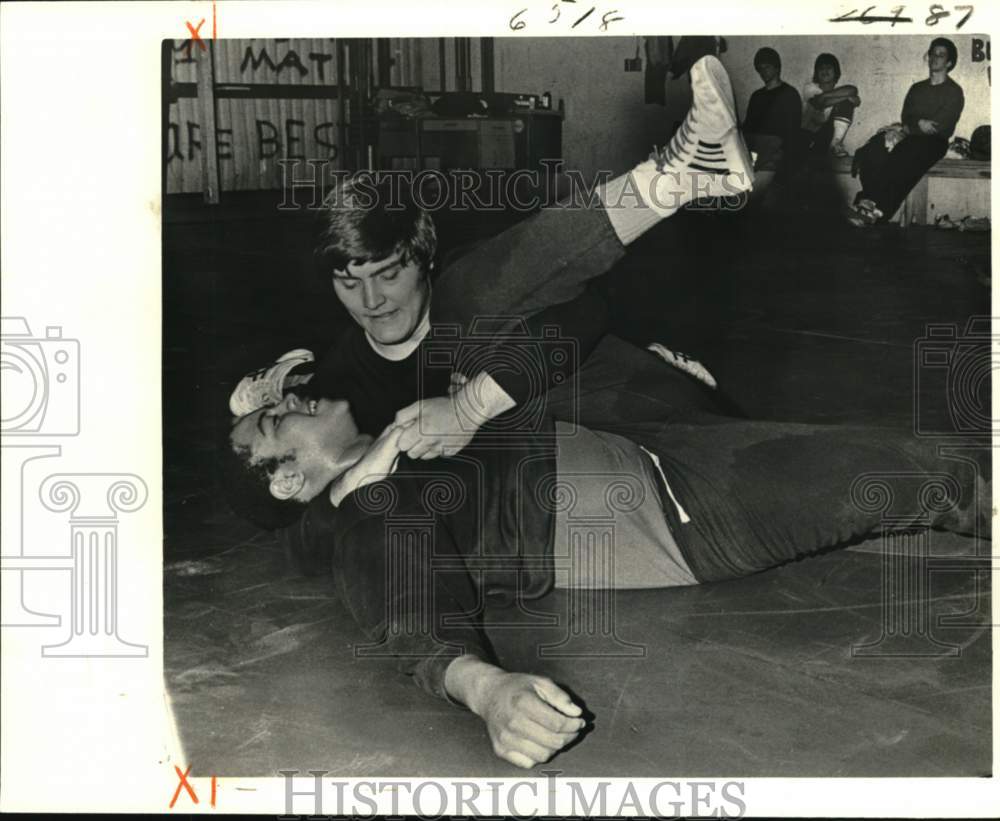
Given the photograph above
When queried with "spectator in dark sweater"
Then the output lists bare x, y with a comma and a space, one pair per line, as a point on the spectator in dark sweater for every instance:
895, 159
774, 113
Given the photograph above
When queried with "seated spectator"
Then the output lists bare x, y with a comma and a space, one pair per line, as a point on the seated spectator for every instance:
774, 113
828, 109
896, 158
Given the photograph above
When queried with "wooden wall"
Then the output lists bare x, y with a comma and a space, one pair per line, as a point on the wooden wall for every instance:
294, 113
252, 134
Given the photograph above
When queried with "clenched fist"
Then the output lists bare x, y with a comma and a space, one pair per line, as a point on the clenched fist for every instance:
528, 717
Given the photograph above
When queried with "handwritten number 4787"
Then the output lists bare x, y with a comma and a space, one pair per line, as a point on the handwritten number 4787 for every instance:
935, 13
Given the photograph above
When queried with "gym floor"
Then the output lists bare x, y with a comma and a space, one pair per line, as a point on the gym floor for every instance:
798, 318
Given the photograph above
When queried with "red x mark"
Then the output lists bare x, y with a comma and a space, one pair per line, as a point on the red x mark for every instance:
183, 783
195, 37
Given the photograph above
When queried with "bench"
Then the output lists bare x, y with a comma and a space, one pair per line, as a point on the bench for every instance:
959, 188
937, 190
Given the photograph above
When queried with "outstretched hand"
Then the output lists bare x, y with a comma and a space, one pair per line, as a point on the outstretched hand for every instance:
529, 718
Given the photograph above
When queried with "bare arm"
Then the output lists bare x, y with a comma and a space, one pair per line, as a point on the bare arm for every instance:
528, 717
375, 465
839, 94
444, 425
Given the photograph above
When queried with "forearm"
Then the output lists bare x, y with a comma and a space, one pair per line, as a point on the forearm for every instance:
346, 484
482, 399
578, 324
469, 680
529, 718
829, 98
378, 461
949, 115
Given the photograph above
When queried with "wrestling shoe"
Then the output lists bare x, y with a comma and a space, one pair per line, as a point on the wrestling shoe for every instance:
974, 224
856, 219
685, 363
864, 213
706, 158
266, 386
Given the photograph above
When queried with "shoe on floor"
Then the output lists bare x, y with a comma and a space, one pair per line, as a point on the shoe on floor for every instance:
868, 210
861, 217
974, 224
857, 219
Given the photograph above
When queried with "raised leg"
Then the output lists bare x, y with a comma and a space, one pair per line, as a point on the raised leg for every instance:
548, 258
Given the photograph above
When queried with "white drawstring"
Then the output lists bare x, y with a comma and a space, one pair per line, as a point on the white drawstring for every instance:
656, 461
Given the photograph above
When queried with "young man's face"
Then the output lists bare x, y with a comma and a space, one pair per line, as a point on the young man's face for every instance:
316, 432
826, 76
937, 59
386, 297
768, 72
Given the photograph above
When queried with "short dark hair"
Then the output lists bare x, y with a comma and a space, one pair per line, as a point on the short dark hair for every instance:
247, 486
949, 46
830, 60
371, 216
767, 56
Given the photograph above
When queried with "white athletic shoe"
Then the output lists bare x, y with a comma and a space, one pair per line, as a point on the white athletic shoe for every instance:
266, 386
685, 363
706, 158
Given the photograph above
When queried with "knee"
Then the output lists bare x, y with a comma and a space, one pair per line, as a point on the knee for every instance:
844, 110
